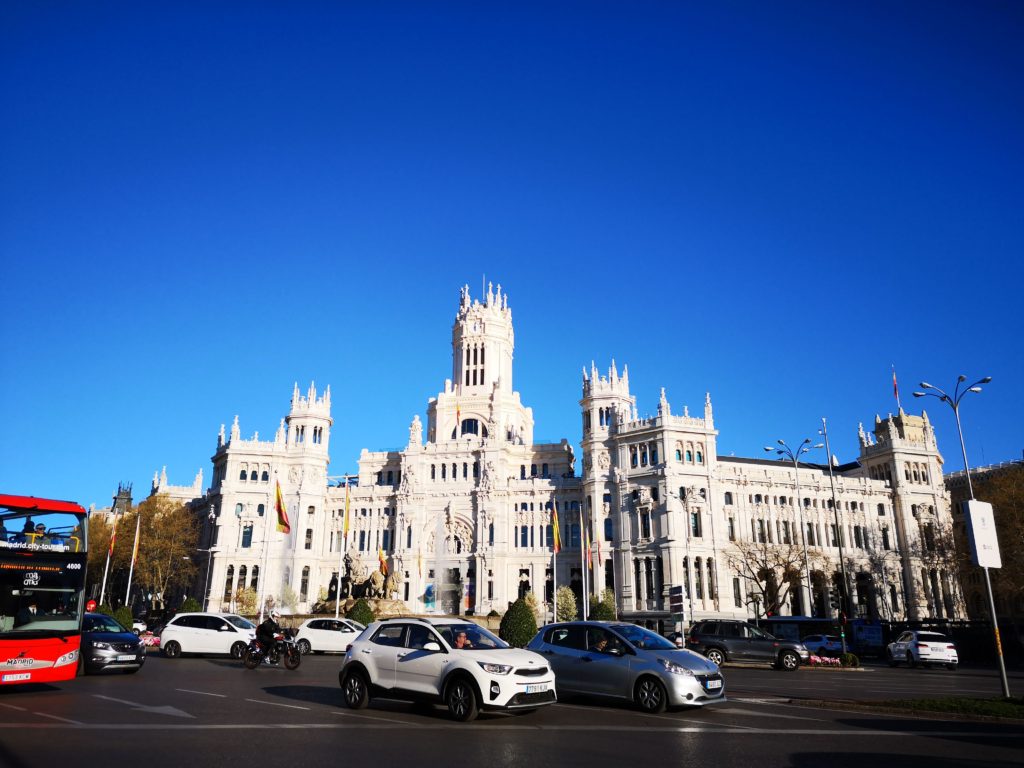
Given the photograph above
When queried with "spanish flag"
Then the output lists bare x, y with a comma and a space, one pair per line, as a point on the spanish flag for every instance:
113, 537
557, 537
283, 526
383, 562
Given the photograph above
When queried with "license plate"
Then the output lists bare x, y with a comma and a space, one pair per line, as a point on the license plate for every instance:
16, 677
714, 683
537, 688
129, 657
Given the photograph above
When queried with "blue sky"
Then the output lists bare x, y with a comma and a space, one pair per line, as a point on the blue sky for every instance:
201, 204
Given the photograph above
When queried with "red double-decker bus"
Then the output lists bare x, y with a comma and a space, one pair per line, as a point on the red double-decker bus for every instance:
43, 545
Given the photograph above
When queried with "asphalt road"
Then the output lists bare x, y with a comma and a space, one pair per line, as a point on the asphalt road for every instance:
206, 711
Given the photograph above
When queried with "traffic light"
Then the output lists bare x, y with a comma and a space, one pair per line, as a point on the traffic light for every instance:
833, 596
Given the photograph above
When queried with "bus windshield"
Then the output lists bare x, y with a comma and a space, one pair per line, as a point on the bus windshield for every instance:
42, 572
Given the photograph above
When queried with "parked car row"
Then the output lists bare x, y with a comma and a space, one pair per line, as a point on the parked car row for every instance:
467, 668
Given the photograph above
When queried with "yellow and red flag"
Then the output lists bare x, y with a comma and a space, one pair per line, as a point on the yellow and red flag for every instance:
556, 536
113, 537
283, 526
383, 562
135, 549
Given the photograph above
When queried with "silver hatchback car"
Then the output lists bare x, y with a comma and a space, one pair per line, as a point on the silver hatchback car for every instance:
624, 661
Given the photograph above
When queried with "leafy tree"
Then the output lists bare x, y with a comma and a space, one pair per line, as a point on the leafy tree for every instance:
1003, 488
519, 624
566, 599
123, 616
246, 599
361, 612
602, 608
167, 540
288, 598
99, 543
191, 605
531, 600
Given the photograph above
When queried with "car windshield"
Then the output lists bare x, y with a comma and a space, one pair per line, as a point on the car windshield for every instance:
470, 637
239, 622
101, 623
932, 637
644, 638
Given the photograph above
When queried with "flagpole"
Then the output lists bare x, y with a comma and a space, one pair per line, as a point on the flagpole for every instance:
266, 549
342, 547
895, 390
110, 553
135, 554
583, 567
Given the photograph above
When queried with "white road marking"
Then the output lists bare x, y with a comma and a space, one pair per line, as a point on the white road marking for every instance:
11, 706
55, 717
201, 693
378, 719
277, 704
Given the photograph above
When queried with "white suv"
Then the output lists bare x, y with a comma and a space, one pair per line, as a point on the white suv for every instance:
207, 633
444, 660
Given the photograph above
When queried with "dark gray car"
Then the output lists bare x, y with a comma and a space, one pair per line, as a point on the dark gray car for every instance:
722, 641
624, 661
106, 645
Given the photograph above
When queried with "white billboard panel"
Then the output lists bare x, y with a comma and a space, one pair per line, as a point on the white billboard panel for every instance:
981, 533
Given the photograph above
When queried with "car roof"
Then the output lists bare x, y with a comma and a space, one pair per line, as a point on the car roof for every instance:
434, 621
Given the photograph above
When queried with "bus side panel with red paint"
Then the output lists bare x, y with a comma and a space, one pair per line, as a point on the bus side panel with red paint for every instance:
42, 586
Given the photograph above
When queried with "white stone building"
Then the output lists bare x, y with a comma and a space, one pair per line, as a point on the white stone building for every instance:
463, 512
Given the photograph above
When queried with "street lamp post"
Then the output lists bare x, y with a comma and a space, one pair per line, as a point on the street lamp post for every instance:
845, 601
953, 401
794, 456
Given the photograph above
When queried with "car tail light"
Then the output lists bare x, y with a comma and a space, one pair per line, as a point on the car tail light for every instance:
920, 645
950, 647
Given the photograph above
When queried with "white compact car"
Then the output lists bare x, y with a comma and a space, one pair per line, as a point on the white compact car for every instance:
226, 633
326, 635
919, 647
452, 661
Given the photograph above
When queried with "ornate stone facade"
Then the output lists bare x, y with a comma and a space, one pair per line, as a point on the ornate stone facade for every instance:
465, 517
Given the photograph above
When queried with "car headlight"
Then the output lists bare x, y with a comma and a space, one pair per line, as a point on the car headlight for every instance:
71, 657
101, 646
675, 669
495, 669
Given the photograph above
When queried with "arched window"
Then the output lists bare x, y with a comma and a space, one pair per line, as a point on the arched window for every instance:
261, 510
252, 475
533, 470
490, 534
689, 456
607, 529
309, 538
728, 498
241, 578
679, 454
544, 470
243, 475
239, 508
433, 472
444, 471
408, 537
654, 453
522, 471
247, 535
229, 582
304, 585
255, 577
700, 457
266, 476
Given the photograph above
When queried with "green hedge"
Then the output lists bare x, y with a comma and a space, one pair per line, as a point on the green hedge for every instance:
518, 625
361, 612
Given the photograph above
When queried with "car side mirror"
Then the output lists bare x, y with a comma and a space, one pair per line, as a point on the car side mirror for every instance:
616, 652
432, 646
224, 629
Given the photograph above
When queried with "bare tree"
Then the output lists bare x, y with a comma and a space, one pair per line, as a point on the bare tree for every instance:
771, 570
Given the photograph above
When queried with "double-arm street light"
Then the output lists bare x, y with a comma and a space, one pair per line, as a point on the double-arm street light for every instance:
953, 401
786, 452
845, 594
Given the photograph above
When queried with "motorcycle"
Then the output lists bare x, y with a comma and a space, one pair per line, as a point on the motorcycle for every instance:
284, 649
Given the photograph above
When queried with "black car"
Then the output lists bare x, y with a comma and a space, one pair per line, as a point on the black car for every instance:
723, 640
106, 645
